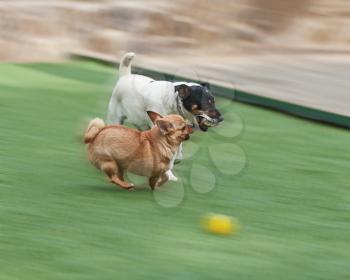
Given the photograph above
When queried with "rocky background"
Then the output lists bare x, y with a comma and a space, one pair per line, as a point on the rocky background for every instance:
234, 42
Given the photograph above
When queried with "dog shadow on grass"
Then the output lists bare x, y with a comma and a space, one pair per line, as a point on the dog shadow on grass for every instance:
115, 189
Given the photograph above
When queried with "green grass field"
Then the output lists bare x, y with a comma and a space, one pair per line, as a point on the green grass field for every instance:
61, 219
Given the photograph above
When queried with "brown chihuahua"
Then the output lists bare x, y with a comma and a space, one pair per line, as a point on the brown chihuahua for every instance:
116, 148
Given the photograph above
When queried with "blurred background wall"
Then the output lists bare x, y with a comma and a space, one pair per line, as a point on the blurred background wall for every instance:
244, 43
47, 29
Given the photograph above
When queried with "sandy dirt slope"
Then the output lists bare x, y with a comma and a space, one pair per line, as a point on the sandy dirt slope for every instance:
292, 50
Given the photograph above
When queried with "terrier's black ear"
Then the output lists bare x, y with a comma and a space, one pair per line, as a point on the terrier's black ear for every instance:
183, 90
206, 85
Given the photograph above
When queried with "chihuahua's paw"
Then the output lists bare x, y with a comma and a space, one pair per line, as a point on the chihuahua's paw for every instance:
171, 176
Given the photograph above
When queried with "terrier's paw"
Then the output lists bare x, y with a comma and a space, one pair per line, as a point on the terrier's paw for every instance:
171, 176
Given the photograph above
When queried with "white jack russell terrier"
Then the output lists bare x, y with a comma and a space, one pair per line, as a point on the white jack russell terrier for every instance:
136, 98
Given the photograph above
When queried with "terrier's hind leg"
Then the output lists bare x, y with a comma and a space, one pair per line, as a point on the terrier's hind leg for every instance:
115, 112
115, 174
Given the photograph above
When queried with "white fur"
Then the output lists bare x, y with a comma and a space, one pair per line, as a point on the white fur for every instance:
134, 95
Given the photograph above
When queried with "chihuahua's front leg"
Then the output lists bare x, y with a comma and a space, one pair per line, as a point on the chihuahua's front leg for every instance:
162, 179
157, 181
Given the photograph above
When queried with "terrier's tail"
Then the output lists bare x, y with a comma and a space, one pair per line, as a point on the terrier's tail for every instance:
93, 129
125, 64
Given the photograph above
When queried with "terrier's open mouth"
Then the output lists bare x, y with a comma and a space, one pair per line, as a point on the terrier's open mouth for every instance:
204, 122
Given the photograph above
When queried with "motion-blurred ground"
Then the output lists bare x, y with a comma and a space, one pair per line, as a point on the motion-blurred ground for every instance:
296, 51
61, 218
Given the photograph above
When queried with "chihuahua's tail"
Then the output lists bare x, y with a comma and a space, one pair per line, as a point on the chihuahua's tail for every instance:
93, 129
125, 64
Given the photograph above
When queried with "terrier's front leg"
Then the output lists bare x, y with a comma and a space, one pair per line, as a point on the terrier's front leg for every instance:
169, 173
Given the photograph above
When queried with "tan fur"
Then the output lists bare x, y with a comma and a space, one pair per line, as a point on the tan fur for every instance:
115, 149
93, 128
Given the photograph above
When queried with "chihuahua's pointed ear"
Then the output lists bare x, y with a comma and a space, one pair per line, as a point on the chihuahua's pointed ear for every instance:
165, 126
154, 116
183, 90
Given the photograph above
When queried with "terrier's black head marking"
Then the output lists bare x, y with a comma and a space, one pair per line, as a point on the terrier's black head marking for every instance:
200, 102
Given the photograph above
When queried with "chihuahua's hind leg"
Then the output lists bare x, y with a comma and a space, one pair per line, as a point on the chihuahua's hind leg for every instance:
125, 185
115, 174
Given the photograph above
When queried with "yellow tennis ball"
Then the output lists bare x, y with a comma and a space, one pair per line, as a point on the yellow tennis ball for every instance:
220, 224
